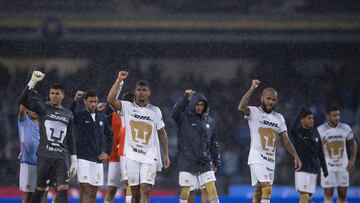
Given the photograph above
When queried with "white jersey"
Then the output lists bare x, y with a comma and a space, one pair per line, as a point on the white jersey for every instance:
141, 124
264, 128
335, 147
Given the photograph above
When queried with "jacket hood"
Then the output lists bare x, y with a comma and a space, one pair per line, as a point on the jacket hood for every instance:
194, 99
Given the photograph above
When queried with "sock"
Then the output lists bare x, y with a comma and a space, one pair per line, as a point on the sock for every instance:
128, 199
37, 196
107, 202
304, 197
266, 194
257, 194
63, 198
214, 201
341, 200
328, 199
183, 201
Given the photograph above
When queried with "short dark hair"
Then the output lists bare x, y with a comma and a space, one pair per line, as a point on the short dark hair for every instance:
57, 86
306, 113
332, 108
128, 96
90, 94
144, 83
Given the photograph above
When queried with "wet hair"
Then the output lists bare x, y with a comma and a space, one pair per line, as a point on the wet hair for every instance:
269, 89
57, 86
306, 113
143, 83
128, 96
90, 94
332, 108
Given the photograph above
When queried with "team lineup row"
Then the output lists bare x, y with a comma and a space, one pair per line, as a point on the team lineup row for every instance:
97, 134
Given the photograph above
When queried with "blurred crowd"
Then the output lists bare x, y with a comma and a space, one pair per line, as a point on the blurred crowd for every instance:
141, 8
313, 84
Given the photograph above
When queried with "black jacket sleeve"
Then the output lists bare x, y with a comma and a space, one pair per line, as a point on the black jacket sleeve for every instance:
180, 107
31, 102
214, 149
109, 137
70, 139
73, 107
320, 153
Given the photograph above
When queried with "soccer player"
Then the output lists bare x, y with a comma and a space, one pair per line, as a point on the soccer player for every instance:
56, 139
28, 124
145, 130
94, 140
265, 124
334, 135
307, 141
117, 172
198, 150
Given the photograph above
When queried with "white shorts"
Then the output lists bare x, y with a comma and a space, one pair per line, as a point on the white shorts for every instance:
114, 174
196, 181
335, 179
27, 177
261, 173
124, 174
305, 182
90, 172
140, 172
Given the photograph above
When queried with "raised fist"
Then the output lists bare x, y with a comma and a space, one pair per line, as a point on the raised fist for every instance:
190, 92
37, 76
78, 95
255, 84
123, 75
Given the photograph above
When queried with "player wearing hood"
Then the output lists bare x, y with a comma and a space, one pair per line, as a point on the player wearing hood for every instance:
198, 151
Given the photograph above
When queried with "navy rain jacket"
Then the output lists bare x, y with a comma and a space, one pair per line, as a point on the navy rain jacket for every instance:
91, 137
197, 138
308, 146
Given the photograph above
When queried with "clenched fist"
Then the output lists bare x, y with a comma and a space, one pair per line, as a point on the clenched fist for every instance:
123, 75
255, 84
36, 77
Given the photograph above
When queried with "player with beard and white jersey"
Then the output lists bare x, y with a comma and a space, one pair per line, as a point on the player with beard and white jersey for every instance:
265, 125
334, 135
145, 132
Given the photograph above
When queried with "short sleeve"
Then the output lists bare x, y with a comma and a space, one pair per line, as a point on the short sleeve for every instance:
125, 105
282, 127
253, 111
159, 119
349, 134
320, 132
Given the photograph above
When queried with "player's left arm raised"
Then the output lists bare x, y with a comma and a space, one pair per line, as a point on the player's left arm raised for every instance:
285, 141
164, 146
113, 94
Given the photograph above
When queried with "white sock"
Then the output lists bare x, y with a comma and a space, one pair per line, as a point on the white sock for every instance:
214, 201
107, 201
128, 198
265, 201
183, 201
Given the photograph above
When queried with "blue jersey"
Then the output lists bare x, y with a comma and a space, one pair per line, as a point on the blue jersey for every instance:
29, 140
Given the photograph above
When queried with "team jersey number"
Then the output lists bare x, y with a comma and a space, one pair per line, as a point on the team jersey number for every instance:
335, 149
267, 137
55, 131
141, 132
